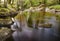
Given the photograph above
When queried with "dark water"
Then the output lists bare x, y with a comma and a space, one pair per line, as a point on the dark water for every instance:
41, 34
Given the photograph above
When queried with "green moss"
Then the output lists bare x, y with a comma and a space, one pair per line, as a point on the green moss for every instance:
51, 2
49, 14
4, 10
55, 7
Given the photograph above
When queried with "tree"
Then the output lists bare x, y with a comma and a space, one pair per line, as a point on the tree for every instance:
5, 3
0, 3
9, 1
12, 1
59, 1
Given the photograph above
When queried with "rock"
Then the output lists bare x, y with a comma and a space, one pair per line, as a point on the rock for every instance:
45, 25
5, 33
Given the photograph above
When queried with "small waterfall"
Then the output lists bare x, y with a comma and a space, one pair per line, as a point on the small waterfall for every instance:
33, 21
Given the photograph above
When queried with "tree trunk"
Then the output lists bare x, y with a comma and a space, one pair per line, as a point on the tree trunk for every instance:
12, 1
9, 1
0, 3
5, 3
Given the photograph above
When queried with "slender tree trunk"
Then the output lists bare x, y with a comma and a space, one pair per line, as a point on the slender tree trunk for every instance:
9, 1
18, 5
59, 1
12, 1
5, 3
0, 3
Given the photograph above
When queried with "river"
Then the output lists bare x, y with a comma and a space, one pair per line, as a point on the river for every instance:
41, 34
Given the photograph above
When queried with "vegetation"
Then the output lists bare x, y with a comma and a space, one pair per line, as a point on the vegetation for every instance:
33, 14
57, 7
8, 6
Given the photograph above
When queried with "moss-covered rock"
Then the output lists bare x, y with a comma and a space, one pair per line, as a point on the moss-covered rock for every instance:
57, 7
5, 33
4, 10
51, 2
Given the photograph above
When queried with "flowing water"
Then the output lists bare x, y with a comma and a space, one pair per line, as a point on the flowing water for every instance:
41, 34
